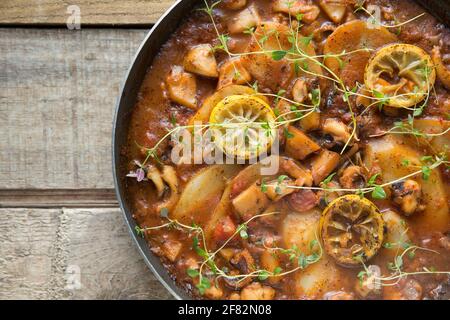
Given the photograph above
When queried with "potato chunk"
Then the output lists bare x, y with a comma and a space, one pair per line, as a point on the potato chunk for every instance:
310, 122
256, 291
323, 164
299, 229
200, 60
233, 72
251, 201
299, 145
335, 10
244, 20
182, 87
171, 249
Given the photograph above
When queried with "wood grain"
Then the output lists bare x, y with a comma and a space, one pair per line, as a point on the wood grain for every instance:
104, 12
44, 198
58, 90
40, 246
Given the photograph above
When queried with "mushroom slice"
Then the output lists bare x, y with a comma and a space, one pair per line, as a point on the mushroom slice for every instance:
335, 9
408, 194
244, 20
154, 175
337, 129
200, 60
299, 90
277, 190
353, 177
182, 87
441, 66
169, 176
233, 72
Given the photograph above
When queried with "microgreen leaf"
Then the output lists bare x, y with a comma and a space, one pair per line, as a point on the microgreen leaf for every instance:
263, 275
164, 213
378, 193
426, 171
192, 272
139, 231
278, 54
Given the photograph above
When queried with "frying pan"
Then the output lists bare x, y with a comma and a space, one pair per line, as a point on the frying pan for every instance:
150, 46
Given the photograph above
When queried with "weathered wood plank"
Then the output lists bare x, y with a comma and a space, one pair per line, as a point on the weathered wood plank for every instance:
39, 248
105, 12
27, 239
58, 90
72, 198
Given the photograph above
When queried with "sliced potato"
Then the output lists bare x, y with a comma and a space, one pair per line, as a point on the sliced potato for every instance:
440, 142
387, 154
233, 72
182, 87
244, 20
222, 209
200, 60
351, 36
299, 145
276, 74
335, 10
202, 193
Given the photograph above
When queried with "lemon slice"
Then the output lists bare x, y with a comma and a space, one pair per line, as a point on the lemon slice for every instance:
243, 126
403, 73
352, 229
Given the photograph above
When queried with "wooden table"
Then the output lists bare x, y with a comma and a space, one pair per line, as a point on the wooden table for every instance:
58, 212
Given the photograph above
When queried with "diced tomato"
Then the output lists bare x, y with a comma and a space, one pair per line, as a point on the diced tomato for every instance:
225, 228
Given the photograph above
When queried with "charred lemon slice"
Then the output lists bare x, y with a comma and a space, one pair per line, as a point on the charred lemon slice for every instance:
403, 73
243, 126
351, 229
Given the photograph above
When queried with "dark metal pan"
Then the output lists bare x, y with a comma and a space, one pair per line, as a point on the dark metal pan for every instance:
157, 36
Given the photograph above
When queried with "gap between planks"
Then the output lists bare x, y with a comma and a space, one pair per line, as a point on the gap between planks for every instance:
58, 198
